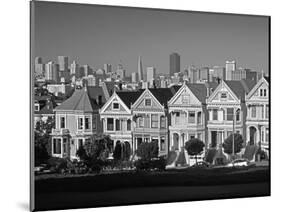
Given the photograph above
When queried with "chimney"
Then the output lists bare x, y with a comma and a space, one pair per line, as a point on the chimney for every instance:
120, 86
99, 100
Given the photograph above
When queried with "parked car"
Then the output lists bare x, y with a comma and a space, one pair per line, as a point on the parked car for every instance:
239, 163
201, 164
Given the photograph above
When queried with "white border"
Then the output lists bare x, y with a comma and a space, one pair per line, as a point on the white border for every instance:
14, 182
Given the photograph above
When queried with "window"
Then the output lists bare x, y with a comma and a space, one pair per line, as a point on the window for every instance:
253, 111
36, 107
128, 124
56, 146
147, 102
199, 136
191, 117
229, 114
215, 114
266, 135
154, 121
117, 125
141, 121
80, 143
116, 106
262, 111
199, 118
267, 111
262, 136
223, 96
64, 149
238, 115
110, 124
94, 121
264, 92
62, 122
177, 114
87, 123
80, 123
162, 144
162, 122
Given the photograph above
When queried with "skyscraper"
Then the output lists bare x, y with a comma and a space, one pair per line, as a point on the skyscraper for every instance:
63, 63
52, 72
107, 68
174, 63
230, 66
39, 66
150, 75
74, 68
134, 77
140, 71
121, 73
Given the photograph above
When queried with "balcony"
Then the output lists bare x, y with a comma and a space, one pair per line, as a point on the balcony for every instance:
60, 131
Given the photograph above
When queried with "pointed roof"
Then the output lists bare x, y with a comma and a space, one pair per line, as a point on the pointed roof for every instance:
129, 97
163, 95
79, 101
238, 87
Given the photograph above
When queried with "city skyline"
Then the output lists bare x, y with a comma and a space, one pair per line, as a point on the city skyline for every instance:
201, 39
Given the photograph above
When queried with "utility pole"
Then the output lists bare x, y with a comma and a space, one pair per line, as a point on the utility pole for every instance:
233, 131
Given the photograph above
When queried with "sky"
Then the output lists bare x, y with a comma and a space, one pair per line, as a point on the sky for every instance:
96, 35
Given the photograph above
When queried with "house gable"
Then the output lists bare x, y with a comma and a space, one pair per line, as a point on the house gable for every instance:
257, 93
184, 97
223, 94
109, 109
141, 103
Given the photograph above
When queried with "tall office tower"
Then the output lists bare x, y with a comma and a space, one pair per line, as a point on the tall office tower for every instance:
230, 66
39, 66
218, 73
107, 68
140, 71
85, 70
193, 74
204, 74
238, 74
163, 82
174, 63
63, 63
74, 68
121, 73
134, 77
52, 72
150, 73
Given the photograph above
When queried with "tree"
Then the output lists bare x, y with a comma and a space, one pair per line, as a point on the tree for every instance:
148, 150
228, 144
117, 153
42, 138
194, 147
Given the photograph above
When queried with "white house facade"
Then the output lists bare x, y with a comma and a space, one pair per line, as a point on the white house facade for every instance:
257, 122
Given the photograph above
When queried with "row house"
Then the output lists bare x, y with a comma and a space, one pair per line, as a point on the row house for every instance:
187, 109
117, 117
150, 115
227, 111
257, 121
76, 121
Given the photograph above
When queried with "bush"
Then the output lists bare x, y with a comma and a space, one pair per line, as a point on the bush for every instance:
147, 165
148, 150
57, 164
228, 143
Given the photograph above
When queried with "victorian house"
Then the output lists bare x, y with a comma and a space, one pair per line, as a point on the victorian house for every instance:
76, 121
227, 111
150, 115
117, 117
187, 109
257, 121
